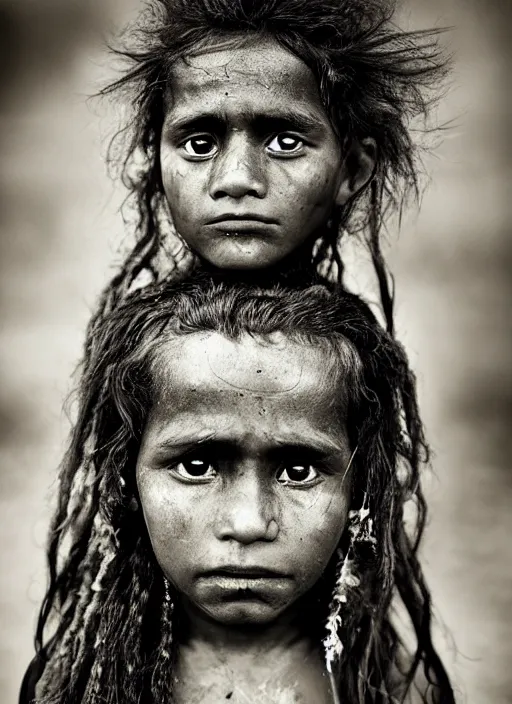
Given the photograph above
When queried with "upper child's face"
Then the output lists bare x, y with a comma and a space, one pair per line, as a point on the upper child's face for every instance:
241, 472
251, 166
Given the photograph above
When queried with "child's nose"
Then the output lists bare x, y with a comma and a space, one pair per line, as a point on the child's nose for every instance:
238, 170
247, 513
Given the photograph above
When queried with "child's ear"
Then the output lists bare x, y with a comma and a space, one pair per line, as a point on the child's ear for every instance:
358, 168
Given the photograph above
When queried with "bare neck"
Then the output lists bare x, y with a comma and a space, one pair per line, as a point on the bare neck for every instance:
295, 269
276, 664
197, 629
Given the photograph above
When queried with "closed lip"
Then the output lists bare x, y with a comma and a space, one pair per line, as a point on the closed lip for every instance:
254, 572
242, 217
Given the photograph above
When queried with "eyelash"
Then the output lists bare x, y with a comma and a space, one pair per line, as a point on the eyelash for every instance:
206, 137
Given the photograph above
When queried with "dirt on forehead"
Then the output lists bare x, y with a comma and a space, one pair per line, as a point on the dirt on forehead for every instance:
240, 58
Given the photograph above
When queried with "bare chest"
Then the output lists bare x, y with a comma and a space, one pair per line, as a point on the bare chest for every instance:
269, 685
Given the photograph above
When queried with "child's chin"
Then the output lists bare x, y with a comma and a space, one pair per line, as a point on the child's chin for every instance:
242, 254
244, 613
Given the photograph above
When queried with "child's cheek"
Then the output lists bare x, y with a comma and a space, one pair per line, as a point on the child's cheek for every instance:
323, 520
322, 191
168, 515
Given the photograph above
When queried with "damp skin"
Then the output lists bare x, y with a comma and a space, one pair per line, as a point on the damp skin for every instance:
251, 166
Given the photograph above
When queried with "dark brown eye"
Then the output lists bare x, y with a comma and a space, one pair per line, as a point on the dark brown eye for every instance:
298, 474
202, 145
195, 468
285, 143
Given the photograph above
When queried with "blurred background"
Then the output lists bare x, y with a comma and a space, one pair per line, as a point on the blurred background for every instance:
61, 236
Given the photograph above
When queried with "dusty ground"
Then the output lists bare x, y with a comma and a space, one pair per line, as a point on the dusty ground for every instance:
60, 234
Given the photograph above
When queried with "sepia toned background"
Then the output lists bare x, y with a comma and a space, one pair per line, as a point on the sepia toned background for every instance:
61, 235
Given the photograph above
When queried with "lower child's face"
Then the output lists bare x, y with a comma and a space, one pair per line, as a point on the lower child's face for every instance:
241, 473
251, 166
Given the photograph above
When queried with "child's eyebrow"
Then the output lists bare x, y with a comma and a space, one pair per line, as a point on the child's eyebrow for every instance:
204, 122
184, 442
287, 118
311, 450
281, 120
279, 450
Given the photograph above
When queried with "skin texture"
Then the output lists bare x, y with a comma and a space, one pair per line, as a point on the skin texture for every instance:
242, 415
247, 140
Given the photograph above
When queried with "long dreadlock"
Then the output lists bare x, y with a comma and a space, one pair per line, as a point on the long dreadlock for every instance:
374, 80
105, 628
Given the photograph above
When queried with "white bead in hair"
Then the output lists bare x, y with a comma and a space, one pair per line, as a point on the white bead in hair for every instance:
361, 530
347, 579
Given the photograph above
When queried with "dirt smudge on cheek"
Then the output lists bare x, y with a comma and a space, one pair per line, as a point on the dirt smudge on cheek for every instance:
168, 523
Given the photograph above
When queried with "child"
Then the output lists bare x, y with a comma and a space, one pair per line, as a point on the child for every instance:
231, 522
264, 130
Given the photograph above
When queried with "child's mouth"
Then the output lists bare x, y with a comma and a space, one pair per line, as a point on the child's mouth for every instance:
242, 582
243, 226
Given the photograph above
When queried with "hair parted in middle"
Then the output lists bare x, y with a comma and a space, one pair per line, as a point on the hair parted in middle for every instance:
374, 81
105, 628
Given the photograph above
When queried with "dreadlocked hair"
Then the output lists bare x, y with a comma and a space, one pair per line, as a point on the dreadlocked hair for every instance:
375, 80
105, 627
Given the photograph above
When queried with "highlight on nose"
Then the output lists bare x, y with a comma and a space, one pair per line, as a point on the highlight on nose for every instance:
247, 520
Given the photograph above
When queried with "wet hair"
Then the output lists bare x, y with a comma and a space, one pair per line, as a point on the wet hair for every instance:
375, 80
105, 629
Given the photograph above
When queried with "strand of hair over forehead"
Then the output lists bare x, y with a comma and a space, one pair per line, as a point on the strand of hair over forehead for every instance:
375, 81
113, 637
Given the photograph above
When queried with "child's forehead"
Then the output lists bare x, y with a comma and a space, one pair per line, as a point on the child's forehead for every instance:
275, 364
246, 57
260, 62
270, 389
